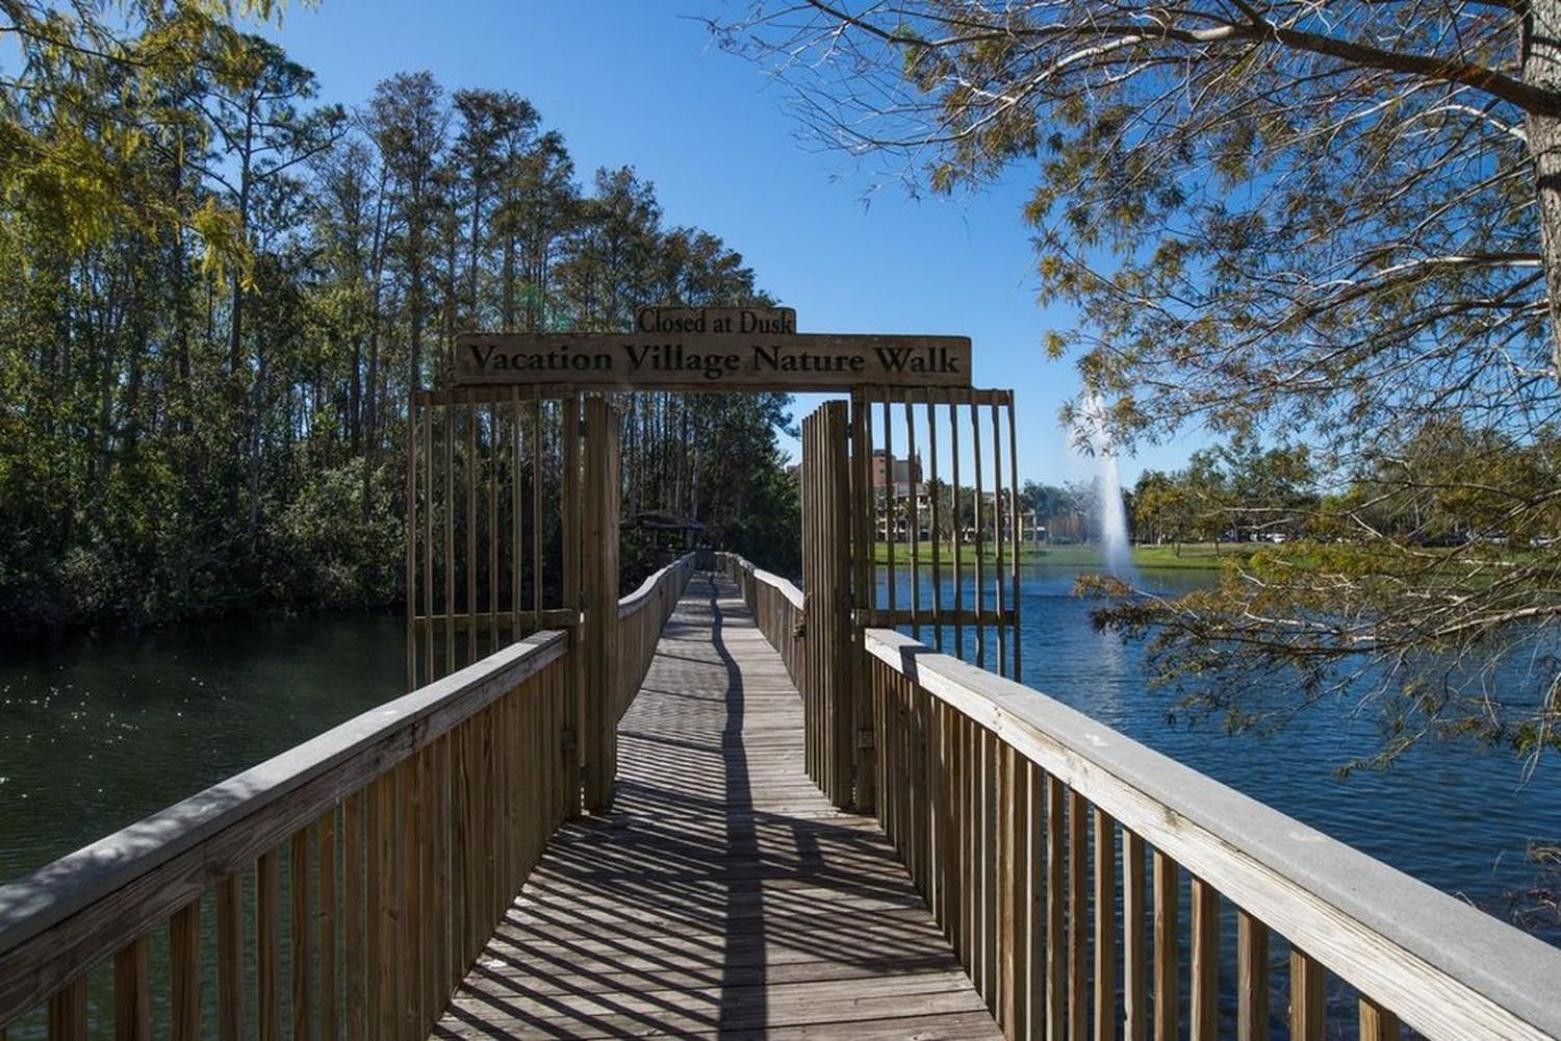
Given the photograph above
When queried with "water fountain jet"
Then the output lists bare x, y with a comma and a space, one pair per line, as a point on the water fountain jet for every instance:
1114, 546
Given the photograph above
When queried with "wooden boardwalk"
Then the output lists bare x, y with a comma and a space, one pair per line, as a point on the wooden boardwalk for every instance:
722, 896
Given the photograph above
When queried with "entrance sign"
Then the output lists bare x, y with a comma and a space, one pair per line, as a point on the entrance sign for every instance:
713, 348
743, 321
713, 361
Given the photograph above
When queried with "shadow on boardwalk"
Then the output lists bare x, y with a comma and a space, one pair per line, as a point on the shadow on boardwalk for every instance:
722, 896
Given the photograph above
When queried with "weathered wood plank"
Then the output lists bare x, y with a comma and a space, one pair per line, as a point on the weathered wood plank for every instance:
1251, 978
132, 992
722, 895
230, 958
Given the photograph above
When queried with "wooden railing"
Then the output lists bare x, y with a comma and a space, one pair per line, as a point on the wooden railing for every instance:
641, 617
353, 879
777, 607
780, 611
1053, 851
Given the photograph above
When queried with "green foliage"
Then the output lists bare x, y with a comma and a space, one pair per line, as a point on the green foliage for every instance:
216, 299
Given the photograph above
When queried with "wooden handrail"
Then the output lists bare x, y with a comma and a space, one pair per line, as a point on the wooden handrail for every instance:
1444, 967
683, 566
781, 585
641, 617
993, 793
63, 919
102, 900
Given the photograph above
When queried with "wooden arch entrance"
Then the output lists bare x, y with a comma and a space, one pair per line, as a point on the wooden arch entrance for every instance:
910, 509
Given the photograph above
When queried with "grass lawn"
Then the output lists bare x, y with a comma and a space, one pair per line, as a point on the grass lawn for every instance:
1194, 555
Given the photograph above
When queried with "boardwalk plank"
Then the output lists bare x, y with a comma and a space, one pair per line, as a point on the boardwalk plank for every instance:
722, 896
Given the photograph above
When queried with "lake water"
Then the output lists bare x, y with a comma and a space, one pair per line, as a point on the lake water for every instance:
99, 733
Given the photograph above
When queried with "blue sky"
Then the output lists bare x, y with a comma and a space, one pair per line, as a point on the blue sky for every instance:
640, 82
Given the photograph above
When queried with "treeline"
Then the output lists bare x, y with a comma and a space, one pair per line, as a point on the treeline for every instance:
210, 325
1237, 492
1447, 484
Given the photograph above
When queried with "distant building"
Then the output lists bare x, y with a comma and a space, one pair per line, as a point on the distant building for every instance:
906, 472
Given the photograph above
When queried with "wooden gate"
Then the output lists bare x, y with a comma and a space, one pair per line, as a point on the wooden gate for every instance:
910, 519
937, 496
512, 527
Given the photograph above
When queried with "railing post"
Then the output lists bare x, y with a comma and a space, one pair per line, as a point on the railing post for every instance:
830, 715
599, 573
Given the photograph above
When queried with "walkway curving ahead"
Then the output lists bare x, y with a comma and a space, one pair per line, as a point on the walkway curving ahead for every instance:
722, 896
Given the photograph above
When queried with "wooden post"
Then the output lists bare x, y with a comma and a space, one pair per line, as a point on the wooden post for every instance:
847, 771
599, 571
569, 449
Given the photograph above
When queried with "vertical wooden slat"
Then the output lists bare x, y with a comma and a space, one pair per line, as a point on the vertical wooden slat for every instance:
934, 500
429, 917
430, 665
449, 531
571, 591
972, 805
989, 885
1013, 575
67, 1012
230, 958
1056, 953
911, 463
998, 577
298, 889
1135, 993
132, 992
1308, 1018
442, 905
268, 1002
861, 548
382, 863
1377, 1023
472, 476
1036, 885
1078, 937
959, 534
410, 514
184, 973
492, 528
975, 451
870, 506
538, 570
599, 567
354, 940
1251, 978
889, 505
517, 554
1105, 917
1167, 973
330, 1002
410, 950
1205, 961
1008, 797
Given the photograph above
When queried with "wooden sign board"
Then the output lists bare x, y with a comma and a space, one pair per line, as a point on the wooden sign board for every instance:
737, 321
715, 361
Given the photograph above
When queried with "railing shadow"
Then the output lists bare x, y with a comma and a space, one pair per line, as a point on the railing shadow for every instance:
742, 841
720, 883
